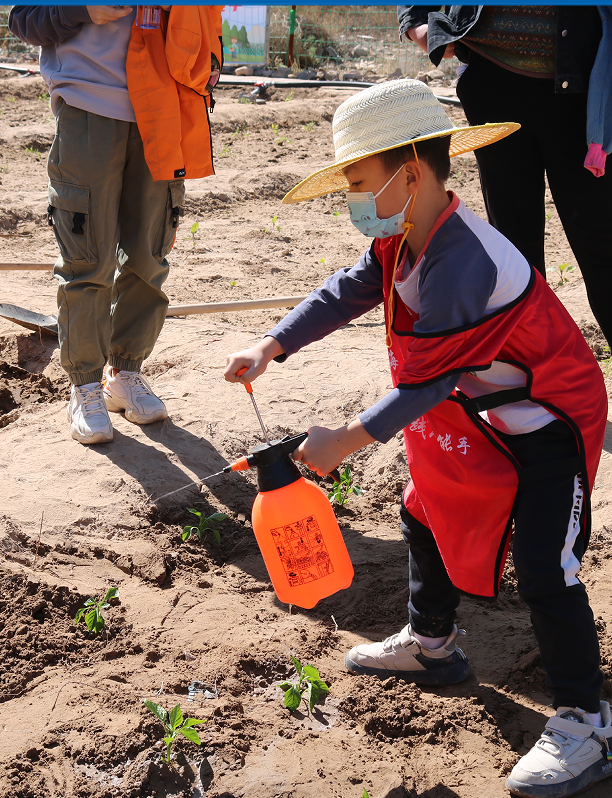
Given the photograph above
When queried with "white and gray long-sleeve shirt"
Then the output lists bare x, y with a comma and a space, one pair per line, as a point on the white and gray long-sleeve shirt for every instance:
466, 271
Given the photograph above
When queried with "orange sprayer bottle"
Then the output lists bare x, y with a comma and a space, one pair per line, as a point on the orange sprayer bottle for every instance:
295, 527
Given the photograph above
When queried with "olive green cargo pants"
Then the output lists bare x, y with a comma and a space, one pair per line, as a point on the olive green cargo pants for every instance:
114, 226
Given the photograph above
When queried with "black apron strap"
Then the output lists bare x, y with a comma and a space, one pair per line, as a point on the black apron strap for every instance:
490, 400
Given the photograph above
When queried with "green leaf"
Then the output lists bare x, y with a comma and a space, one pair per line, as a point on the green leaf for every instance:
216, 534
298, 666
366, 794
286, 686
190, 734
216, 518
293, 698
94, 620
320, 685
195, 512
111, 593
79, 615
358, 491
176, 716
156, 709
310, 672
193, 721
89, 602
186, 534
195, 227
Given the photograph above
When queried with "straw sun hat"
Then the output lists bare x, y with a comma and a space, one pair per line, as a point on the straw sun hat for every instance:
386, 116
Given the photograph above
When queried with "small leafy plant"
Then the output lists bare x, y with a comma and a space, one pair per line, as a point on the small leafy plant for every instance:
289, 97
233, 283
308, 683
309, 126
336, 214
275, 225
560, 270
342, 490
174, 724
193, 233
92, 611
277, 134
205, 524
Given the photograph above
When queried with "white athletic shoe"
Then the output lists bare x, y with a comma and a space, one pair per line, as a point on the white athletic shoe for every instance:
88, 416
569, 757
129, 391
402, 656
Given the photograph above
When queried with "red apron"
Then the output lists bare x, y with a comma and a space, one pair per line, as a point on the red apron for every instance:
464, 481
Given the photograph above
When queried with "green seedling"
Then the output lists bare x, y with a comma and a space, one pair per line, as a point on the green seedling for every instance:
342, 490
193, 230
308, 687
225, 152
275, 225
336, 214
92, 611
279, 139
289, 97
36, 153
44, 96
174, 724
560, 270
322, 260
309, 126
233, 283
205, 524
606, 362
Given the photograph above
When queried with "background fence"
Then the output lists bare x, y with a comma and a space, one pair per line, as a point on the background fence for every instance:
360, 39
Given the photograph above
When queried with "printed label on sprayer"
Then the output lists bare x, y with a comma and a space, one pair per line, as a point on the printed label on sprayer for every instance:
302, 550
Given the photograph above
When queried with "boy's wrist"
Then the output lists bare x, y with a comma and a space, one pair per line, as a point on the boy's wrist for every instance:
353, 436
270, 348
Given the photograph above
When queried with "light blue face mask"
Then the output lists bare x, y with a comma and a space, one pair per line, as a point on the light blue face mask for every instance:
362, 208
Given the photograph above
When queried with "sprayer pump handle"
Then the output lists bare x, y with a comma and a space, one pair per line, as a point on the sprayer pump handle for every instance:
293, 441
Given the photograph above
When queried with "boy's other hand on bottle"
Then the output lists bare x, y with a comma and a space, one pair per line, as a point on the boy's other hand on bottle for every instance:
255, 359
100, 15
324, 449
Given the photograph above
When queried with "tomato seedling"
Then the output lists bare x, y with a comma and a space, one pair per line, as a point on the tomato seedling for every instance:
205, 524
560, 270
308, 682
342, 490
174, 724
92, 611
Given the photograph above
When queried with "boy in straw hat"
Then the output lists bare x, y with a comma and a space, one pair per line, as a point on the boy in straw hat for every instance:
502, 406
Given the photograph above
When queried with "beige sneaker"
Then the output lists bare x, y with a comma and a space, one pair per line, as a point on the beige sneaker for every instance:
129, 391
402, 656
570, 756
88, 416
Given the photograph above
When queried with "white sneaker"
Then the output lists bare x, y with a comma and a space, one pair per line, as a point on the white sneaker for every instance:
87, 414
569, 757
402, 656
129, 391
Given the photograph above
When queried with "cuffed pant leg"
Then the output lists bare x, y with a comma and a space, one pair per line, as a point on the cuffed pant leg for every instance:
147, 235
548, 548
433, 597
85, 169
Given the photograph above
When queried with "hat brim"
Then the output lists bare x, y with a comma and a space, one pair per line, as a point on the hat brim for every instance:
463, 139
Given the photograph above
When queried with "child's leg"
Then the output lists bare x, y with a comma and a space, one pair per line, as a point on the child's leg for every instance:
414, 654
548, 548
433, 597
573, 751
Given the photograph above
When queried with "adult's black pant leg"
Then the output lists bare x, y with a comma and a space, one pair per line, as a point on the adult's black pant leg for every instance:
511, 170
433, 597
583, 201
548, 547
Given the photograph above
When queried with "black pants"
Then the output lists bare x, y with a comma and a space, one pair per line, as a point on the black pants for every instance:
552, 139
547, 552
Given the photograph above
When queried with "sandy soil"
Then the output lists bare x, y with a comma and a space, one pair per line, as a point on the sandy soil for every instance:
76, 520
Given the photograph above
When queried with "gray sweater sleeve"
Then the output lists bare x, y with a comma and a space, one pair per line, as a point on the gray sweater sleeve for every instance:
455, 285
44, 25
344, 296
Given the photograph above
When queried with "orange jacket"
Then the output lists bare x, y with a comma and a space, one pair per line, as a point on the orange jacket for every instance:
168, 70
